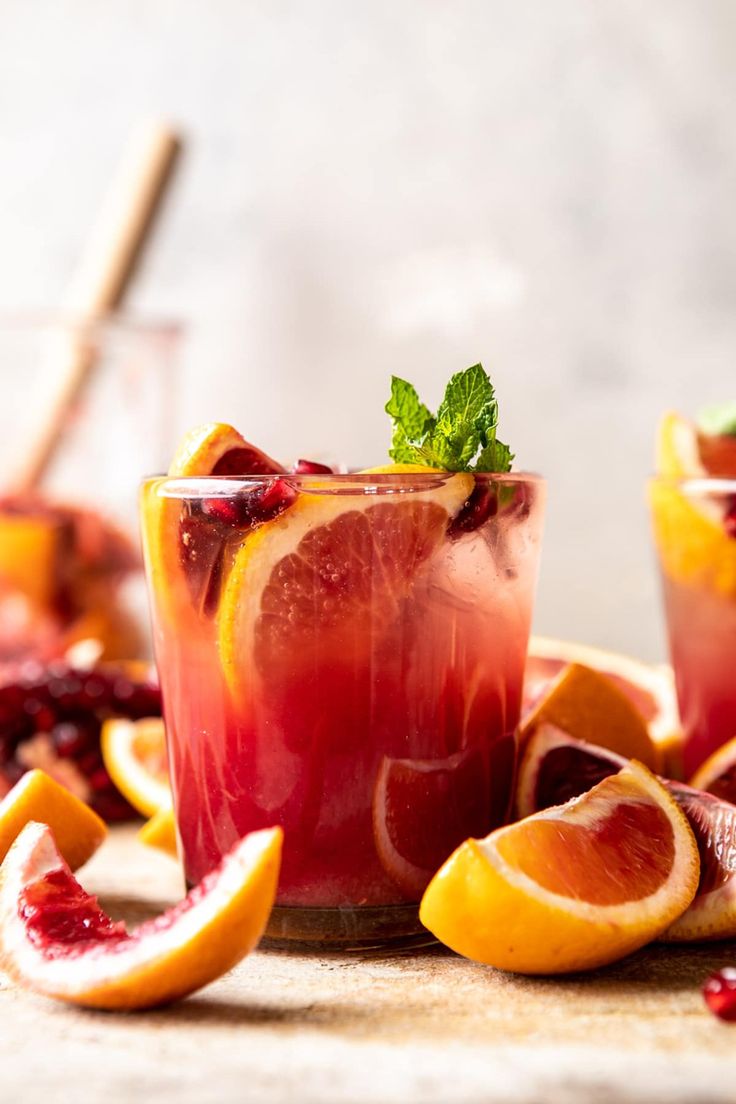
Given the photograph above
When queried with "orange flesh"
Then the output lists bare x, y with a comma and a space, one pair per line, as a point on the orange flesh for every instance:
624, 856
373, 556
543, 670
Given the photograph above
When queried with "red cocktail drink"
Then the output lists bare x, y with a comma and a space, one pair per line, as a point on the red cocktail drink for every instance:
343, 656
696, 543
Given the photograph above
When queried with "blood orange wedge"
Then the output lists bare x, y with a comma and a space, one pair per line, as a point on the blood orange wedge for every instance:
423, 810
134, 753
570, 888
717, 774
214, 449
55, 939
650, 688
77, 829
160, 832
353, 558
692, 531
586, 704
556, 767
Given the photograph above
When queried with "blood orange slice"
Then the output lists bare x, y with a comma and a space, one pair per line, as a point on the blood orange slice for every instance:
78, 830
423, 810
573, 887
717, 774
586, 704
55, 939
352, 558
183, 550
134, 753
556, 767
649, 688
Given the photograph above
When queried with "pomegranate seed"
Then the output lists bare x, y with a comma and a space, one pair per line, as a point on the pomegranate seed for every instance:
69, 706
311, 467
71, 739
729, 522
719, 992
234, 511
482, 505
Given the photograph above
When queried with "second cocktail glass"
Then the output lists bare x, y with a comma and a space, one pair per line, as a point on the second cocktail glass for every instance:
695, 534
343, 656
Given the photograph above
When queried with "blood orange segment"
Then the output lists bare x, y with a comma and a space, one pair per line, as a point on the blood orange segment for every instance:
213, 449
717, 774
134, 753
218, 449
585, 704
78, 830
55, 939
423, 810
160, 832
573, 887
556, 767
650, 688
352, 559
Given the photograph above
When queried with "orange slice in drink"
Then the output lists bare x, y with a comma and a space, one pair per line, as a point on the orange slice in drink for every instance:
423, 810
78, 830
56, 940
556, 767
573, 887
587, 705
320, 583
694, 547
178, 562
134, 753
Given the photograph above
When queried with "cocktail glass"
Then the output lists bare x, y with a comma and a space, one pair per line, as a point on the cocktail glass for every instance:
695, 535
87, 411
342, 655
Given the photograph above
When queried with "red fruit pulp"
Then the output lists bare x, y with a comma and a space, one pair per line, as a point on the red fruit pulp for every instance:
62, 918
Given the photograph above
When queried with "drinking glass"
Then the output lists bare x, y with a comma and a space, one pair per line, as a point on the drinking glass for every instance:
695, 536
87, 411
342, 655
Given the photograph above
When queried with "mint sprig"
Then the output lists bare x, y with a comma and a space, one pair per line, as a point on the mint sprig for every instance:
460, 437
718, 421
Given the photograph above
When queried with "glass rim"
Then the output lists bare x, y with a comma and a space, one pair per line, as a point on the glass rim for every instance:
697, 484
222, 486
123, 321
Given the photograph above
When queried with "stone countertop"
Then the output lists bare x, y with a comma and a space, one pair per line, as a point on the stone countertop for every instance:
413, 1027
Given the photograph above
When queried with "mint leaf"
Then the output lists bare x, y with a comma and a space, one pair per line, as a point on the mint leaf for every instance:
495, 457
467, 413
412, 420
463, 435
718, 420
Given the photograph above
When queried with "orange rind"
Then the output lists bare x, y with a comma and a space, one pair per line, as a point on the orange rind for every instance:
55, 939
571, 888
37, 797
587, 705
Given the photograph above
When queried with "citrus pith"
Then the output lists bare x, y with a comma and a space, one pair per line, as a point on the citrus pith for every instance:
134, 753
55, 939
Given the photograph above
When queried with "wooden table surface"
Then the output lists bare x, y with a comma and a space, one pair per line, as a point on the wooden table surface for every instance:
419, 1027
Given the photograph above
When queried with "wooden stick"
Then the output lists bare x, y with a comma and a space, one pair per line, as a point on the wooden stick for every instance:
101, 281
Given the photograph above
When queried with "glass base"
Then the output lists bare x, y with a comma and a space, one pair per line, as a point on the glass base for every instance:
360, 928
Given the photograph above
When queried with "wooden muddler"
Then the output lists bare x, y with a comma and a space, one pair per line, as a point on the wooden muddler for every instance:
101, 280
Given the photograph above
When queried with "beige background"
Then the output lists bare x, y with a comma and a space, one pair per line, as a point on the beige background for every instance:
411, 186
